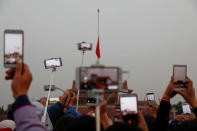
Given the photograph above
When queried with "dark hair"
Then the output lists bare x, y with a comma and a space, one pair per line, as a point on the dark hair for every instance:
83, 123
62, 123
187, 126
123, 127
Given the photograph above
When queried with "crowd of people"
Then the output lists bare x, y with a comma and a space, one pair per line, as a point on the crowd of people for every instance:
62, 116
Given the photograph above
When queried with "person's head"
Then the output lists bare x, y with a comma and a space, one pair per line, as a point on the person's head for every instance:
40, 112
83, 123
7, 124
123, 127
62, 123
43, 101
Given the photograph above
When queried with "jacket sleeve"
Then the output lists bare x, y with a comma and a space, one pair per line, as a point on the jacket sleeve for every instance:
163, 116
25, 115
195, 111
71, 112
55, 112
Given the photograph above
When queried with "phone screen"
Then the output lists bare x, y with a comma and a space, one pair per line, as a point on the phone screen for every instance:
180, 72
85, 46
186, 109
128, 103
150, 97
54, 62
13, 48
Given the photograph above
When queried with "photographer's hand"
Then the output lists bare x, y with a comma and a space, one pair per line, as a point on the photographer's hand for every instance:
21, 82
170, 92
189, 93
142, 123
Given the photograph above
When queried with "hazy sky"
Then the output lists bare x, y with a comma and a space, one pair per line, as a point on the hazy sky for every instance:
145, 37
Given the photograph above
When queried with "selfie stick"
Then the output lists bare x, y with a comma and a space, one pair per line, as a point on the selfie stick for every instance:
43, 120
97, 113
78, 91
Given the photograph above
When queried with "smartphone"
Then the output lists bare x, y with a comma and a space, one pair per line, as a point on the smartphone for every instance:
179, 73
13, 47
53, 62
46, 87
53, 100
128, 103
150, 99
93, 95
107, 78
186, 109
84, 46
150, 96
121, 92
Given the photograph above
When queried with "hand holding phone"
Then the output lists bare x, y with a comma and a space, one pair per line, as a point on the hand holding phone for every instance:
129, 108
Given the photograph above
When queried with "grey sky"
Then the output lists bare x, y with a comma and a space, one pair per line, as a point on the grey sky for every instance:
145, 37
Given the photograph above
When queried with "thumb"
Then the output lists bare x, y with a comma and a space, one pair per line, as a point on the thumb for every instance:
182, 93
18, 69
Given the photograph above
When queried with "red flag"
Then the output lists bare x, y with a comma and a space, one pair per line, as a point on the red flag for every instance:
98, 49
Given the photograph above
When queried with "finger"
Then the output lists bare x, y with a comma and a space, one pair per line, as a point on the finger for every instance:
10, 71
9, 77
18, 69
182, 93
172, 80
188, 79
74, 84
140, 116
26, 70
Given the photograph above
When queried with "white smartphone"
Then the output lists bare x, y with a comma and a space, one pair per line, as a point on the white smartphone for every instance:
180, 73
129, 103
53, 62
13, 47
186, 109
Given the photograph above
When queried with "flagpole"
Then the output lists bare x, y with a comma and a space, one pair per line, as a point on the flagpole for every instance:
98, 10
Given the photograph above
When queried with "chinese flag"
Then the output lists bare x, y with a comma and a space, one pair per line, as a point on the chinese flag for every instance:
98, 49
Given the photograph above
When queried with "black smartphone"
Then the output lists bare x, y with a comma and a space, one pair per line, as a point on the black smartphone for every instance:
179, 74
13, 47
150, 99
129, 108
53, 62
47, 87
